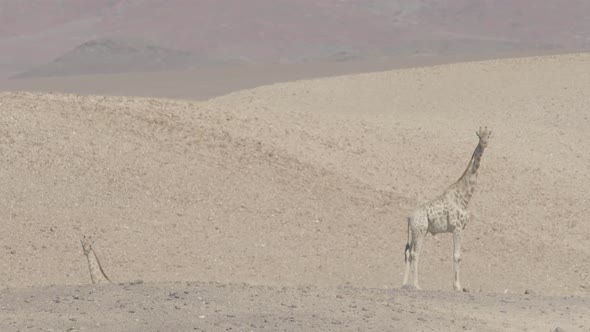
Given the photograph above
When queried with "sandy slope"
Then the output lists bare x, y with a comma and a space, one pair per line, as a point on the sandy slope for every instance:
306, 183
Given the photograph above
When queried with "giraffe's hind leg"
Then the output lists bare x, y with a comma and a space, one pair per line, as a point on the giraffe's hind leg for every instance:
408, 264
407, 255
417, 228
415, 256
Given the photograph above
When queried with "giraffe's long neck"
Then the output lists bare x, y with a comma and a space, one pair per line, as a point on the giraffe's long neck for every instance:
465, 186
96, 272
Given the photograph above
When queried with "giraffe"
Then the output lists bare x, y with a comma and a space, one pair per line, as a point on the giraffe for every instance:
445, 214
97, 274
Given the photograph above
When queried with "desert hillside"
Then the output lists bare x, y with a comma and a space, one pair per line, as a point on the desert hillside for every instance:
115, 55
305, 183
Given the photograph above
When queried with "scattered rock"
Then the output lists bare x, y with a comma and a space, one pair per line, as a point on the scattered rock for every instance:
530, 292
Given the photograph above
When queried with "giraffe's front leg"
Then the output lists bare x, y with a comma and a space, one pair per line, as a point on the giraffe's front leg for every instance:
457, 237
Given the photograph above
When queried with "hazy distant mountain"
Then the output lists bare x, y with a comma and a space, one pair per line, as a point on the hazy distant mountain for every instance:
114, 55
35, 32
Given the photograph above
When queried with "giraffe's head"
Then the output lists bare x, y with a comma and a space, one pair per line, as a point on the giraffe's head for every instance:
86, 243
484, 136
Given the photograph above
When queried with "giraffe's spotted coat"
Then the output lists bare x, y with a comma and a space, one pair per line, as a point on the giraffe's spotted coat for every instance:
445, 214
97, 274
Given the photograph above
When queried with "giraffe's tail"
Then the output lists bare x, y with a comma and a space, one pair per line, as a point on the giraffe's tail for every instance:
408, 244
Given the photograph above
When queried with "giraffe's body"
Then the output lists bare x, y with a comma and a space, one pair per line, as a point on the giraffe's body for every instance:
445, 214
97, 274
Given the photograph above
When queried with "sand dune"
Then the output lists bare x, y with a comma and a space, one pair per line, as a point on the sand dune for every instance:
205, 82
307, 183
